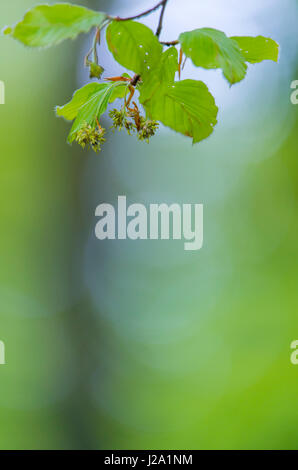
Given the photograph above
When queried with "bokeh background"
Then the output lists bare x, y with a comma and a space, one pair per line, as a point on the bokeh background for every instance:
141, 345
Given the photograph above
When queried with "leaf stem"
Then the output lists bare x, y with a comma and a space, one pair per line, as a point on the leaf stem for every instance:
95, 42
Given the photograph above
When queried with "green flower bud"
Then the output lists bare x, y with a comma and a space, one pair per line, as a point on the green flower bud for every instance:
148, 129
90, 137
120, 120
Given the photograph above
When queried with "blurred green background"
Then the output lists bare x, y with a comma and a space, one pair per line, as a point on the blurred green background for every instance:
141, 345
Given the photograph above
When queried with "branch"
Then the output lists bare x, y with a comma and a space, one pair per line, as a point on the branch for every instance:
159, 28
163, 4
145, 13
170, 43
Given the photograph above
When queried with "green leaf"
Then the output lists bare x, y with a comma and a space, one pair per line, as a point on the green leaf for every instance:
126, 75
70, 110
257, 49
161, 75
186, 106
133, 45
47, 25
88, 104
119, 92
212, 49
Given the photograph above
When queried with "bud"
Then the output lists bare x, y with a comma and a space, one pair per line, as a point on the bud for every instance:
96, 70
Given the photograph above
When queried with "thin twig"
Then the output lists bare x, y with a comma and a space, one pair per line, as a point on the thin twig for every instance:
159, 28
145, 13
86, 57
163, 4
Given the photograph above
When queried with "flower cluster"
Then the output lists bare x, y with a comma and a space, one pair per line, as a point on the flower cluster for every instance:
131, 120
120, 120
92, 137
148, 129
89, 136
